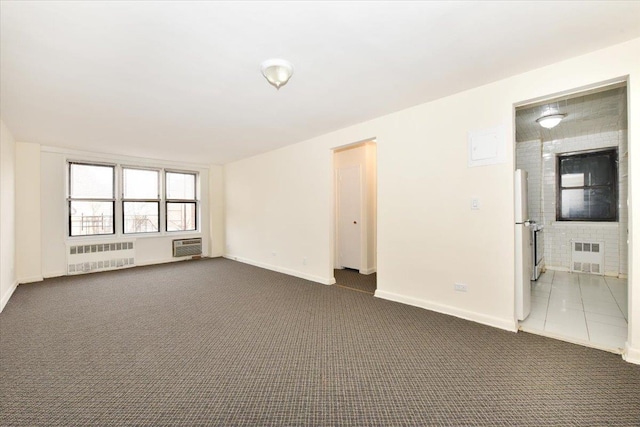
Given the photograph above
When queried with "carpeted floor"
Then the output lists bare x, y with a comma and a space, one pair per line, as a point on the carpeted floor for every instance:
352, 279
217, 342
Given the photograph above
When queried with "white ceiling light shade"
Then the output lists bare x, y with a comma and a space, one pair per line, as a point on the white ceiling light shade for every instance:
551, 120
277, 71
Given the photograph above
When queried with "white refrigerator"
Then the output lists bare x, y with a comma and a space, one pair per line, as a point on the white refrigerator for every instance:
523, 248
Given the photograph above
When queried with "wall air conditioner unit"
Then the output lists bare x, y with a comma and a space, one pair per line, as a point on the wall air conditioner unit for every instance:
187, 247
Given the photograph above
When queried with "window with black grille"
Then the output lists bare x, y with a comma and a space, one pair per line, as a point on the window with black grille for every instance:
587, 186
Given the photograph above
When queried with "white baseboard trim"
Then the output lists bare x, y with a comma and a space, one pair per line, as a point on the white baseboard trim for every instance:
606, 273
368, 271
54, 274
496, 322
283, 270
7, 295
553, 268
167, 260
631, 354
31, 279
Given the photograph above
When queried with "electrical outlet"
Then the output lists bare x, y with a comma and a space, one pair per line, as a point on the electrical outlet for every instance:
273, 254
304, 261
460, 287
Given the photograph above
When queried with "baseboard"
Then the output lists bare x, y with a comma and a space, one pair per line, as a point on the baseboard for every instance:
54, 274
287, 271
550, 267
368, 271
496, 322
167, 260
631, 354
31, 279
606, 273
7, 295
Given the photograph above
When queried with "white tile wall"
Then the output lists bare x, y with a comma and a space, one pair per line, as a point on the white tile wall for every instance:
539, 159
529, 158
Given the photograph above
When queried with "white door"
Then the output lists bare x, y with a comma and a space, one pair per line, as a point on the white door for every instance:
349, 228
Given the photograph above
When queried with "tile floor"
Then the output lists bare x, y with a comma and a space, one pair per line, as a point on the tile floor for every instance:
582, 308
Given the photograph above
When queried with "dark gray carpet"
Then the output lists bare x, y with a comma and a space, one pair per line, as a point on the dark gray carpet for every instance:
352, 279
216, 342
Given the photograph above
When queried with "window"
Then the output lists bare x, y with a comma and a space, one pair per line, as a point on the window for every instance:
588, 186
100, 192
181, 203
140, 200
91, 199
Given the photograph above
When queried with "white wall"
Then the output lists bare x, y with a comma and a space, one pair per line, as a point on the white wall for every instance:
279, 210
363, 156
216, 210
28, 229
150, 249
8, 278
428, 238
529, 158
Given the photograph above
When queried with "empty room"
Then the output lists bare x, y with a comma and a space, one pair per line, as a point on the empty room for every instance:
319, 213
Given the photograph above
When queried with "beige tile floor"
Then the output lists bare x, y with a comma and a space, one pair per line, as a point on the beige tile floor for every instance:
582, 308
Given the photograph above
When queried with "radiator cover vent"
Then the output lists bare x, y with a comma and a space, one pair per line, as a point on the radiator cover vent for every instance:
587, 257
90, 257
187, 247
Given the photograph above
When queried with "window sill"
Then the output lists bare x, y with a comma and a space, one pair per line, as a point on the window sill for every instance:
592, 224
116, 237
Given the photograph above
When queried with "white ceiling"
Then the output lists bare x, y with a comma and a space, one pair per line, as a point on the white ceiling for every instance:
181, 80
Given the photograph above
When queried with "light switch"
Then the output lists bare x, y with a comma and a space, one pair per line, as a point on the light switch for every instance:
475, 204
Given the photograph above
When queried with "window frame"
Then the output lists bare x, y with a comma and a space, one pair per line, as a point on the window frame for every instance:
193, 201
125, 200
612, 152
71, 199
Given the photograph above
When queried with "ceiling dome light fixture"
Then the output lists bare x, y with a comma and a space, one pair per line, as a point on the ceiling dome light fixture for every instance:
277, 71
551, 120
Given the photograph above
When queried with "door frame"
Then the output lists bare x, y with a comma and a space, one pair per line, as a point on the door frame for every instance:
630, 213
364, 234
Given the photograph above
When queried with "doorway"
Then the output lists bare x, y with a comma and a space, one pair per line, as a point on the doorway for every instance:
355, 216
577, 196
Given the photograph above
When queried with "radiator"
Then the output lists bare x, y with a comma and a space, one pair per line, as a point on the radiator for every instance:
587, 257
90, 257
187, 247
